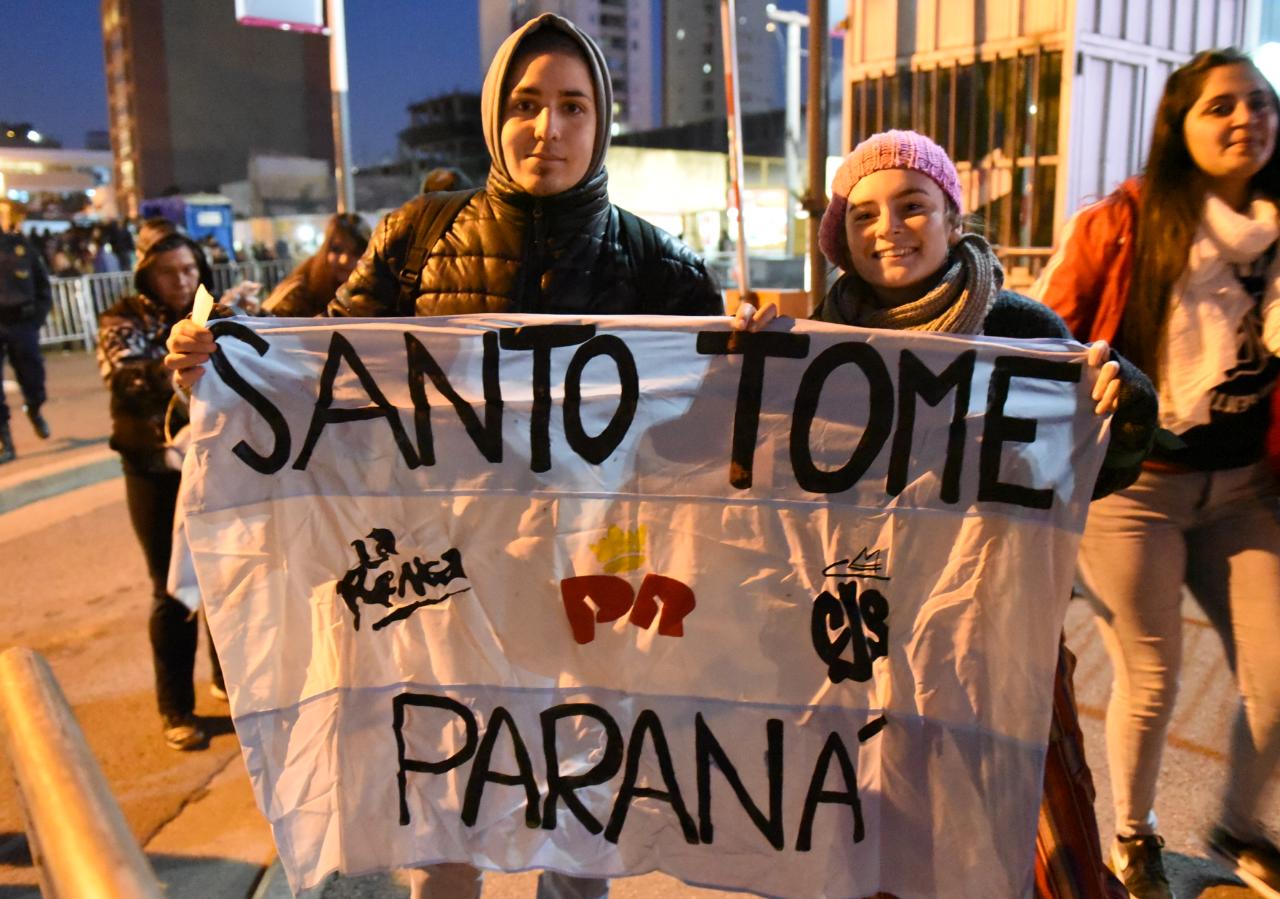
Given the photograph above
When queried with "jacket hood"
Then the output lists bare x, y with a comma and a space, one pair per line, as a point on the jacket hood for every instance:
491, 98
151, 249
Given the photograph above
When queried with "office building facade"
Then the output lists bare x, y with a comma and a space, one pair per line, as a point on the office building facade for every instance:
1044, 105
693, 61
192, 95
624, 31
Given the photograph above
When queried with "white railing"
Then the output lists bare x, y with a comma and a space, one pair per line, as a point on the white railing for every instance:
78, 301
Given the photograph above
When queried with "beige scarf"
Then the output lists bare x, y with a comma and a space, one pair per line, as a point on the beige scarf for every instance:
958, 304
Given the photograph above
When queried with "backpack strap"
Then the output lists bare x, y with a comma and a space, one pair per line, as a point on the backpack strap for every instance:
433, 219
642, 246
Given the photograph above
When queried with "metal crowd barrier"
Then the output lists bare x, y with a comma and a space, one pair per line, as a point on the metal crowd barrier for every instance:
80, 842
78, 301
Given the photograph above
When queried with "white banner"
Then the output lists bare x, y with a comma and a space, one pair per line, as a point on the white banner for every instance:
773, 612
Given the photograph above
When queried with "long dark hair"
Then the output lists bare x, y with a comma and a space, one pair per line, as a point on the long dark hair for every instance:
315, 269
1171, 206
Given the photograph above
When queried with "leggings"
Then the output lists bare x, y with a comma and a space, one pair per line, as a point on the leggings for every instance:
1216, 532
152, 498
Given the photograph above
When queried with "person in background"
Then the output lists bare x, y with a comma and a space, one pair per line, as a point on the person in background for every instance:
1179, 268
541, 236
443, 178
131, 349
894, 228
25, 300
310, 287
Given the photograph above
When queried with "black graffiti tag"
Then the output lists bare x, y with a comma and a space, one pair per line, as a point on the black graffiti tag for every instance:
860, 624
355, 586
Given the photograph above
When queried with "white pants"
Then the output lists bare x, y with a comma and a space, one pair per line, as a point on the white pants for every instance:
1218, 533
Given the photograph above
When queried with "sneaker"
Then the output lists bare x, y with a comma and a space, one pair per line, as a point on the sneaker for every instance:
1139, 864
182, 732
7, 453
38, 424
218, 692
1256, 862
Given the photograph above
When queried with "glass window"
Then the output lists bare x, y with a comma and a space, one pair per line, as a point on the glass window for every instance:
902, 100
965, 116
943, 130
981, 126
1043, 193
925, 103
1028, 107
1050, 94
871, 124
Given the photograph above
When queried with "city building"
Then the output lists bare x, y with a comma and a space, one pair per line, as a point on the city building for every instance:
39, 183
1044, 105
693, 61
192, 95
622, 29
446, 131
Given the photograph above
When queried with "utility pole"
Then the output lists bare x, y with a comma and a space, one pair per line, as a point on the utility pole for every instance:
729, 42
794, 21
338, 100
815, 200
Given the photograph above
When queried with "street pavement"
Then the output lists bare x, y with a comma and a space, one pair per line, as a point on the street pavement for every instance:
75, 588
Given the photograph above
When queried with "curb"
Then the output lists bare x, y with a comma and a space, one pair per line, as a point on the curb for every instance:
59, 477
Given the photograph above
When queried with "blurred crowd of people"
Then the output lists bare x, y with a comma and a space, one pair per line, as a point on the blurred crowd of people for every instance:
110, 247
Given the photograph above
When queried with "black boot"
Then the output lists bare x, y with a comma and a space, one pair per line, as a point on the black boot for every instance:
38, 423
6, 443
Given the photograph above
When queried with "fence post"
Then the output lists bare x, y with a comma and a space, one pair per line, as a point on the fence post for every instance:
88, 314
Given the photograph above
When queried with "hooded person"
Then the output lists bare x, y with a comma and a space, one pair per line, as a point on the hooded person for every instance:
131, 348
541, 236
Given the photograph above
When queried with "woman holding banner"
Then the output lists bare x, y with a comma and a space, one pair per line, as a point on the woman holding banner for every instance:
1180, 269
894, 227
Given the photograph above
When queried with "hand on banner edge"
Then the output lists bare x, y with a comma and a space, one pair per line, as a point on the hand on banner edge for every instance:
1106, 389
749, 318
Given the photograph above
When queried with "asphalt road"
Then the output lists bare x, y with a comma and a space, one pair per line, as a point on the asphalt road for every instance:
74, 587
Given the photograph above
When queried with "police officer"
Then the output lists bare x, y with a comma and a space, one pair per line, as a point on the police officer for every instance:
25, 301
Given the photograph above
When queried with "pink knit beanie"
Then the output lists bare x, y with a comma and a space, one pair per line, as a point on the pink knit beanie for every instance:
887, 150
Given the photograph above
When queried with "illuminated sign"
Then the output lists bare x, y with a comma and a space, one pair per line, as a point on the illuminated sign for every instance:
287, 15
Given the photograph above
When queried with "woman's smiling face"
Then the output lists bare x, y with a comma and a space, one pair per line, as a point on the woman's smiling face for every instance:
900, 230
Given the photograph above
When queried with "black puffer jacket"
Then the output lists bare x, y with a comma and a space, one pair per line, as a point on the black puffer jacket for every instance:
509, 251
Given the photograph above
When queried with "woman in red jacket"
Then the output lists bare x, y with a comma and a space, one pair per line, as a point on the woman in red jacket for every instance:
1179, 270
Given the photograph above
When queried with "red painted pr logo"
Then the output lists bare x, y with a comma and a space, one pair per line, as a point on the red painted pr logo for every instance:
612, 597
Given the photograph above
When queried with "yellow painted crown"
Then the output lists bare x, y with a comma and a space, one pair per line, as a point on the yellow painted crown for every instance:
620, 550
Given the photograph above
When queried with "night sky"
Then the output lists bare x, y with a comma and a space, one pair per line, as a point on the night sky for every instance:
398, 52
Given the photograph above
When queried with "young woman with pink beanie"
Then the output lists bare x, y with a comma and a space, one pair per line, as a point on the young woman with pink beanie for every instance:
894, 227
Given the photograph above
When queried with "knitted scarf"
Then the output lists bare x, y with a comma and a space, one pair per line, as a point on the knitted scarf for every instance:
958, 304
